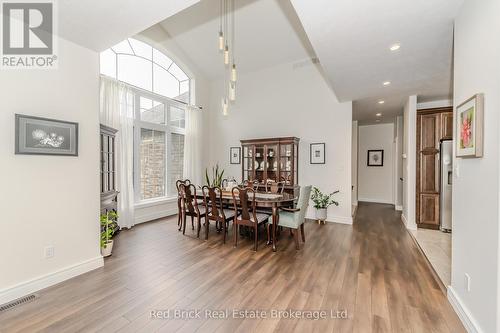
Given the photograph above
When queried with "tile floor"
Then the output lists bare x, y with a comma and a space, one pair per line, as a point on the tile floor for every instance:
437, 247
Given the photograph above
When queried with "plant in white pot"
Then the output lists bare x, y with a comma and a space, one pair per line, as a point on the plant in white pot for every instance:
322, 202
108, 224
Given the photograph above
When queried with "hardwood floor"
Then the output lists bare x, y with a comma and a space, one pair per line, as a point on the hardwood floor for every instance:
372, 270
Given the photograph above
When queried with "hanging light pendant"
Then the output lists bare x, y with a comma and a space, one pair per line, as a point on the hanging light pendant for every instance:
233, 73
225, 106
232, 91
221, 41
226, 55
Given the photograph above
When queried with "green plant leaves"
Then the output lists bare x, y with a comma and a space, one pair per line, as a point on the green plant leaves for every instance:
322, 200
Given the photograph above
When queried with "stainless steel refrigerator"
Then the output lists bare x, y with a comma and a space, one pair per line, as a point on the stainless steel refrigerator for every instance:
446, 160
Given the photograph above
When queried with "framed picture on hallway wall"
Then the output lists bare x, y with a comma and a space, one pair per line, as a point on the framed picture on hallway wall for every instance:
375, 158
469, 122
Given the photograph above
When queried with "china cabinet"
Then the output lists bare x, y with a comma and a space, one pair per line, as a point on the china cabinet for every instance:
271, 159
108, 169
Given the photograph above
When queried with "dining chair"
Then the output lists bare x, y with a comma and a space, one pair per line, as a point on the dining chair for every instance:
294, 218
254, 184
179, 199
212, 198
191, 207
275, 187
248, 216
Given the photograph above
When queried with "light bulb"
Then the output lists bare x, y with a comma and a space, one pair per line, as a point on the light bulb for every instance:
233, 73
221, 41
224, 107
232, 91
226, 55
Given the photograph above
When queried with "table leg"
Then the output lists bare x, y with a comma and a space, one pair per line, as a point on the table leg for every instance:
275, 222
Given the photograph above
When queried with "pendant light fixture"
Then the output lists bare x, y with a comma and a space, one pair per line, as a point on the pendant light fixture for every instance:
227, 46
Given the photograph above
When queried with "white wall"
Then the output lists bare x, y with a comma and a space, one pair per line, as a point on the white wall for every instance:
409, 162
288, 101
354, 163
376, 184
475, 242
50, 200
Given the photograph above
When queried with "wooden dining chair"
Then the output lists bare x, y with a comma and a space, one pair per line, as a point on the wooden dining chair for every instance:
248, 216
179, 199
294, 218
275, 187
191, 207
212, 198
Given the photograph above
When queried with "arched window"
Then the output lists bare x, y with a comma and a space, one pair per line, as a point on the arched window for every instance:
159, 114
141, 65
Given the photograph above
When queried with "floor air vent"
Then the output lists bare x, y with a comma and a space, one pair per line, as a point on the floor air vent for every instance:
17, 302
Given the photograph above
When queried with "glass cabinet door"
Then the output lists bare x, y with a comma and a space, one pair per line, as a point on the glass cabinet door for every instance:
248, 163
259, 165
286, 163
271, 163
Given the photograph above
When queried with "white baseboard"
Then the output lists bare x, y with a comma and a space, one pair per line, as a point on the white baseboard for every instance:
409, 226
399, 208
340, 219
376, 201
155, 215
42, 282
463, 313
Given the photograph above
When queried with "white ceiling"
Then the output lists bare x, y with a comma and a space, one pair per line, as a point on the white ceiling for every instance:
352, 40
100, 24
268, 33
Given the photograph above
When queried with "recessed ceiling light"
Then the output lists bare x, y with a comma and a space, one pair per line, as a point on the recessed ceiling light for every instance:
387, 83
381, 102
395, 47
379, 114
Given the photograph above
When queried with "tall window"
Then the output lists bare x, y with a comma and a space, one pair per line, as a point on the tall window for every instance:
161, 89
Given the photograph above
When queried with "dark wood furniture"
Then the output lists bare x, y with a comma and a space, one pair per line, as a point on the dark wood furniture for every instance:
433, 126
275, 187
245, 204
179, 199
190, 207
212, 199
263, 200
108, 169
273, 159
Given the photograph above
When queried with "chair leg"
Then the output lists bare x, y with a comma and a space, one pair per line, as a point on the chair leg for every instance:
224, 231
296, 239
268, 229
207, 225
302, 233
184, 224
199, 227
256, 237
181, 214
235, 232
192, 222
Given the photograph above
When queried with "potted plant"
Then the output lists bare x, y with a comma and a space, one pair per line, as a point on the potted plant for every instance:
109, 222
322, 202
216, 179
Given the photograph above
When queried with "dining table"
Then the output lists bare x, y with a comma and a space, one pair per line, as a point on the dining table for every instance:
271, 201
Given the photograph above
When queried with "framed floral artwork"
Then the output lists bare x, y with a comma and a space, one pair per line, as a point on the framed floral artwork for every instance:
469, 124
375, 158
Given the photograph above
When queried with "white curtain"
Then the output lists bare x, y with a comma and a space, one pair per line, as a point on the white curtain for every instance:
192, 146
117, 111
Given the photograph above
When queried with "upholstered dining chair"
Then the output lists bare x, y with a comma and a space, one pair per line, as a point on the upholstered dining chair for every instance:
179, 199
191, 207
245, 198
294, 218
212, 198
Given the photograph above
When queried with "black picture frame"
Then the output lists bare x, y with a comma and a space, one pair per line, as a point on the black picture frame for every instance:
61, 137
235, 152
317, 148
373, 151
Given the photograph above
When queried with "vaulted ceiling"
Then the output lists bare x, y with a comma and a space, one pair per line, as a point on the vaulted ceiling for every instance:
352, 40
100, 24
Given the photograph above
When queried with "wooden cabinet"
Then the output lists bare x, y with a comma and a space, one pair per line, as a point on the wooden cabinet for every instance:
108, 169
271, 159
433, 125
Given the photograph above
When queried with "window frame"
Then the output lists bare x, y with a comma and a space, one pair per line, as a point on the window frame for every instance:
166, 128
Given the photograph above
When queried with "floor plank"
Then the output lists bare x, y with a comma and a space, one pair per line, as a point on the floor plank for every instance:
370, 271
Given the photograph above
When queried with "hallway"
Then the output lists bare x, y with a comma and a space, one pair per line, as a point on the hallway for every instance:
372, 270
